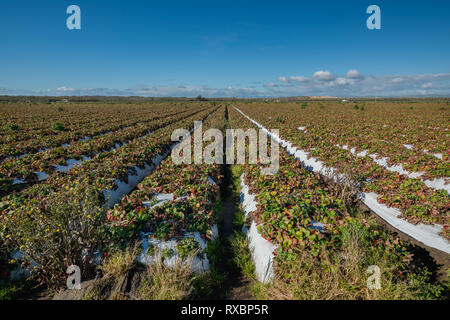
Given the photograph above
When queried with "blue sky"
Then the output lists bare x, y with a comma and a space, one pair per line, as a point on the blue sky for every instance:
225, 48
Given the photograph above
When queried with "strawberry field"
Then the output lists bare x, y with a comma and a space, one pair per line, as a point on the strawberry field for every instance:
95, 185
311, 221
398, 151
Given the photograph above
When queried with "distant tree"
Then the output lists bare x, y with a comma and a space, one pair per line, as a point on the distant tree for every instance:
200, 98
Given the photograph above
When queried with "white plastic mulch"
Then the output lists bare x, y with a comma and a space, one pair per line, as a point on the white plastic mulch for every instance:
427, 234
437, 184
197, 264
261, 249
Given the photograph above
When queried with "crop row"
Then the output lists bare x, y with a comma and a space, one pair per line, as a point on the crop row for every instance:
302, 214
25, 167
39, 117
389, 131
322, 245
192, 194
17, 141
103, 172
417, 201
42, 203
17, 130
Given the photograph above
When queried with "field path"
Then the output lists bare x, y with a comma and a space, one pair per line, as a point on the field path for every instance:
236, 286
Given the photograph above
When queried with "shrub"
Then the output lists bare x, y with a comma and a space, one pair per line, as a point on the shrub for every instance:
11, 127
356, 107
342, 273
188, 246
163, 283
3, 255
60, 109
12, 290
279, 119
164, 231
120, 262
64, 231
200, 98
124, 278
58, 126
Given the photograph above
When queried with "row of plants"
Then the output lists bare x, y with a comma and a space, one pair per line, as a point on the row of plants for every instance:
416, 201
194, 208
329, 263
45, 130
62, 221
18, 134
383, 129
46, 161
39, 119
195, 194
104, 170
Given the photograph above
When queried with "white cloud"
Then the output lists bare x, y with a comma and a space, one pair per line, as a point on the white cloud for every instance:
342, 81
353, 83
323, 76
298, 79
354, 74
397, 79
65, 89
293, 79
322, 83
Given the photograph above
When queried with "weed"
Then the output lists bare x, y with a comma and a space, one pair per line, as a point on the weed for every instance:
58, 126
11, 127
242, 256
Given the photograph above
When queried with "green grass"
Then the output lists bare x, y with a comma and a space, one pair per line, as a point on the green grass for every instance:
58, 126
14, 289
11, 127
236, 172
241, 255
342, 273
